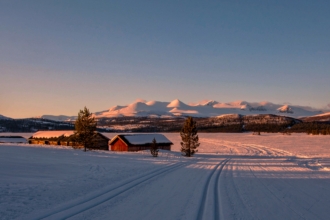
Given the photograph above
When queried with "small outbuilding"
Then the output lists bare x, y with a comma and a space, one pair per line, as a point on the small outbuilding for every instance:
136, 142
65, 138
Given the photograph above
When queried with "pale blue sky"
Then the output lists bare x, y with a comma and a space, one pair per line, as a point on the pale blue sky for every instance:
58, 56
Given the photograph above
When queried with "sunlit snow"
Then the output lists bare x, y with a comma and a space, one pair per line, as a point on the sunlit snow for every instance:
233, 176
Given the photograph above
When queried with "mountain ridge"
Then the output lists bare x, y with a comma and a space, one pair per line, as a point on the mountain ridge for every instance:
4, 117
205, 108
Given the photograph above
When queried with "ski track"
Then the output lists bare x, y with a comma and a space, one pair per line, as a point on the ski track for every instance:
215, 175
251, 149
284, 205
301, 200
286, 182
242, 195
231, 148
86, 204
230, 187
234, 197
296, 202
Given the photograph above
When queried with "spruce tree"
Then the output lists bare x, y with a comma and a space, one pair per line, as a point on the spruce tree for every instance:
154, 148
189, 137
85, 129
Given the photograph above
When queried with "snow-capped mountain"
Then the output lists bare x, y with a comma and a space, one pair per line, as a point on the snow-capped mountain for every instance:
58, 117
205, 108
4, 117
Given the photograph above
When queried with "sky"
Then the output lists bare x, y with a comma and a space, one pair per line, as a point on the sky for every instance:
58, 56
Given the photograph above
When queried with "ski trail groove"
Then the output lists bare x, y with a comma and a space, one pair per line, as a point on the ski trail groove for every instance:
297, 187
235, 193
102, 197
217, 204
274, 195
207, 188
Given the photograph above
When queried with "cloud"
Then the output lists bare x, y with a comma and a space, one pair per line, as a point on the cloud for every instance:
328, 105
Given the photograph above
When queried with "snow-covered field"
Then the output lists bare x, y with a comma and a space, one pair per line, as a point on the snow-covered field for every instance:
234, 176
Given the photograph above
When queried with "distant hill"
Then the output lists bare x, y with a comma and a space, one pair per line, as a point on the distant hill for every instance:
58, 117
325, 117
223, 123
32, 125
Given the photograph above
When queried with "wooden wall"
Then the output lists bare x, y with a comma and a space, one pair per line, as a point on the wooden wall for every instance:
101, 143
147, 147
119, 145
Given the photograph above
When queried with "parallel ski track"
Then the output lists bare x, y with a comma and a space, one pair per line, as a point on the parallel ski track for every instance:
236, 192
216, 189
274, 195
297, 187
107, 195
217, 192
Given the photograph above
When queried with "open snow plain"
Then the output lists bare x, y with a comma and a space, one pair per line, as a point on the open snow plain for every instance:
234, 176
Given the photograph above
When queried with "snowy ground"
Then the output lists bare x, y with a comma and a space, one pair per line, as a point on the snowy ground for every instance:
235, 176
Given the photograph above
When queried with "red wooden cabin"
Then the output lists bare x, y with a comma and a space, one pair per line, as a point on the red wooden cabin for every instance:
136, 142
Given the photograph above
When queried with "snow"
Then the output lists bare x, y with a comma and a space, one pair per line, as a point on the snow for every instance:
296, 144
4, 117
324, 114
58, 117
4, 139
228, 116
49, 134
115, 108
177, 111
146, 138
285, 108
233, 176
176, 104
205, 102
205, 108
236, 104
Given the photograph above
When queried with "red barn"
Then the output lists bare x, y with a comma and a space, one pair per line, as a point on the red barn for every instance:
136, 142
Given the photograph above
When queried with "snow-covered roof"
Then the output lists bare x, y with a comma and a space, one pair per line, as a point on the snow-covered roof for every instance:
49, 134
141, 139
12, 139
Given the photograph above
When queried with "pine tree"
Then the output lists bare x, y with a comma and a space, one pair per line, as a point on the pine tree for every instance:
189, 137
85, 129
154, 148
